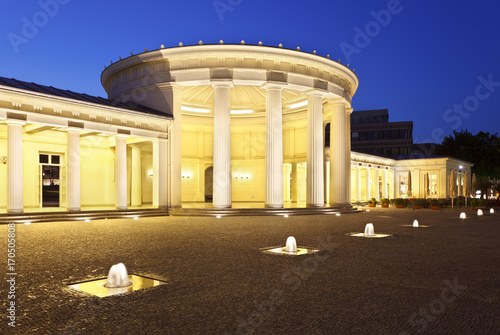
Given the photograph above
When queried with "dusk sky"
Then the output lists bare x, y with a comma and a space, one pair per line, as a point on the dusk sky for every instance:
420, 59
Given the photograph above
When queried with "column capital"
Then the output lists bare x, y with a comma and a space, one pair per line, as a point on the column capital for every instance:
272, 85
125, 136
338, 101
74, 130
315, 93
221, 83
348, 110
15, 122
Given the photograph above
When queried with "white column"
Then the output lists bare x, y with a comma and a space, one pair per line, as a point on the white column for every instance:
121, 172
338, 173
315, 162
368, 184
74, 181
15, 197
136, 177
384, 185
348, 112
377, 185
274, 147
358, 183
172, 94
160, 173
222, 145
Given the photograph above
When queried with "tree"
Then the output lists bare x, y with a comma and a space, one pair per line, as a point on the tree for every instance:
482, 149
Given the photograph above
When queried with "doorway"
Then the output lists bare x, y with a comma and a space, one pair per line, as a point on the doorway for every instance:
209, 184
50, 180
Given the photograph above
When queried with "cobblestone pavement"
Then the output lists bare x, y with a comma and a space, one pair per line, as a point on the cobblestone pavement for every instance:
444, 279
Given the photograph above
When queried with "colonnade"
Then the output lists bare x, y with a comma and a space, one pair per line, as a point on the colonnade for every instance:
15, 198
339, 179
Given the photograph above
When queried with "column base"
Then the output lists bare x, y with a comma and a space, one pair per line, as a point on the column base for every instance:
346, 204
315, 205
121, 208
222, 206
76, 209
163, 208
15, 211
274, 205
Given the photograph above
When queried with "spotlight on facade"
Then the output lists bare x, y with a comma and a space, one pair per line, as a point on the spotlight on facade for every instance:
87, 220
27, 223
367, 210
338, 214
136, 218
150, 173
285, 216
218, 216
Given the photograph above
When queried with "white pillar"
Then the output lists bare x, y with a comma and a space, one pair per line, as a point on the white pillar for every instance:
160, 173
358, 183
384, 185
15, 197
315, 162
368, 184
222, 145
121, 172
274, 147
74, 181
136, 177
348, 112
338, 173
377, 185
172, 94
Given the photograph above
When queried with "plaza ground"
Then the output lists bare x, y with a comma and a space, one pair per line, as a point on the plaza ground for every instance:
444, 279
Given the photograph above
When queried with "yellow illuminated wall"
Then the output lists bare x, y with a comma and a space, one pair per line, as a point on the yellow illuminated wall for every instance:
247, 159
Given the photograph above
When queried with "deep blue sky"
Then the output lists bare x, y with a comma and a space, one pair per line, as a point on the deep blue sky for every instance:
426, 59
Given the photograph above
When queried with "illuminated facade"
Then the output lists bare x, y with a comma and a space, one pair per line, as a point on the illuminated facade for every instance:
205, 123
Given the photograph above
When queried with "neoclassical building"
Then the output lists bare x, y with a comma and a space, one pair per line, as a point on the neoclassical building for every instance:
218, 123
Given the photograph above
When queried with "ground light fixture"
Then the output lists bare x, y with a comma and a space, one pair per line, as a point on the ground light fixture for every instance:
119, 281
290, 249
463, 215
479, 212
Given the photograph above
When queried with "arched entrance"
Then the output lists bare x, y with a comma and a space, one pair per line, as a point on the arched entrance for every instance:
209, 181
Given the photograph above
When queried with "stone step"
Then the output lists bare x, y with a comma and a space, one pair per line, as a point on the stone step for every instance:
73, 216
260, 211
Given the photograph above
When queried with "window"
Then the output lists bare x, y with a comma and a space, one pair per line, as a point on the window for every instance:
387, 134
403, 151
362, 136
403, 133
433, 184
379, 135
355, 136
395, 134
370, 135
403, 185
394, 151
44, 159
55, 159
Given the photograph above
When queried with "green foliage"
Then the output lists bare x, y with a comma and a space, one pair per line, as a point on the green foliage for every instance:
373, 201
420, 202
481, 149
478, 203
384, 201
434, 202
400, 201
